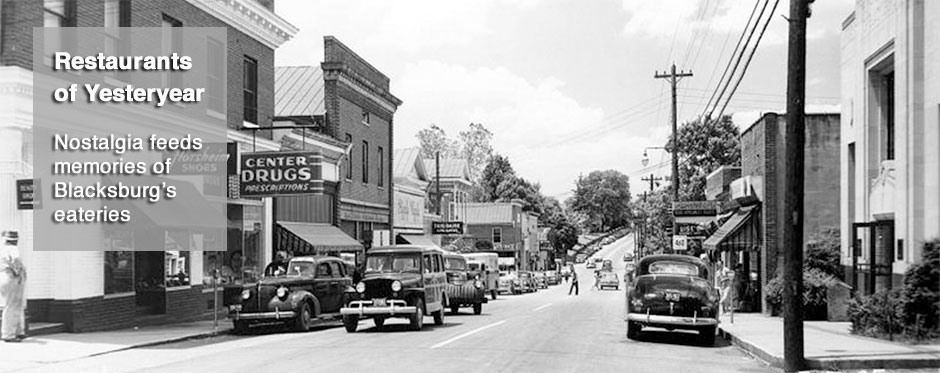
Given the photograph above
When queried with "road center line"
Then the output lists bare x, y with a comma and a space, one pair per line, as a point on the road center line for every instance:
541, 307
467, 334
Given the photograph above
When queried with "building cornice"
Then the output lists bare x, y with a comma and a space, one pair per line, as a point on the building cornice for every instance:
335, 71
251, 18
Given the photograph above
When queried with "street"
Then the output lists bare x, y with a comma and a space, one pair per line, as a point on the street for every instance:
547, 331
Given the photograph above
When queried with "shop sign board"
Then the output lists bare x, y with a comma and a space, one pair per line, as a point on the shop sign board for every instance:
447, 227
680, 243
266, 174
27, 194
409, 210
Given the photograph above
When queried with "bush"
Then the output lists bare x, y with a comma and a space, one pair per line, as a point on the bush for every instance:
877, 315
822, 252
815, 285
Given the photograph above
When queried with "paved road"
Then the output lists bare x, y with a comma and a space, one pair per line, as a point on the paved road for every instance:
547, 331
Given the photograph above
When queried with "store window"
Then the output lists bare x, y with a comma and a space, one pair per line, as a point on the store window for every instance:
176, 258
497, 235
119, 262
242, 260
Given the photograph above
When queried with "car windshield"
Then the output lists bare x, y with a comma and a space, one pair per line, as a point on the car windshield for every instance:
610, 276
300, 268
673, 268
393, 263
525, 274
455, 264
473, 266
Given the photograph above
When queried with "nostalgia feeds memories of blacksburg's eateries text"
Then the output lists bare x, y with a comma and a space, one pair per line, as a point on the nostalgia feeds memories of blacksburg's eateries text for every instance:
127, 137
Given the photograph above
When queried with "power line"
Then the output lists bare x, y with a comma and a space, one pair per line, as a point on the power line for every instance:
733, 53
738, 60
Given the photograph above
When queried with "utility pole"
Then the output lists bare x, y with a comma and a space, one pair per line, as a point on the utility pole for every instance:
437, 181
793, 199
652, 179
672, 78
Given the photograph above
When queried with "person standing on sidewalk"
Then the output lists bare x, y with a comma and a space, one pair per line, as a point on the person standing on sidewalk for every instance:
12, 289
574, 282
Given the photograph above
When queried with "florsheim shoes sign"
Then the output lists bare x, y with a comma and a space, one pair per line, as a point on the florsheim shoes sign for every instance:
266, 174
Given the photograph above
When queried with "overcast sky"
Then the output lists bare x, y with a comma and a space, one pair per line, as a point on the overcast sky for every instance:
566, 86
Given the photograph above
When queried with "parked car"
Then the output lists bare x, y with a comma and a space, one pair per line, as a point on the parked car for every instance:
406, 281
313, 286
464, 287
540, 280
628, 257
523, 283
506, 281
553, 277
487, 265
672, 291
609, 280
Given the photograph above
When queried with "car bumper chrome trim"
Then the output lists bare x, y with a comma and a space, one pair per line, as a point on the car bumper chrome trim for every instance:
365, 307
671, 320
277, 315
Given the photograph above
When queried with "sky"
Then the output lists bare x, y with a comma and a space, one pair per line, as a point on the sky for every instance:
566, 86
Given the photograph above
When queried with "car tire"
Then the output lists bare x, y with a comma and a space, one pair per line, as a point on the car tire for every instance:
417, 319
633, 330
477, 308
454, 309
351, 322
439, 316
379, 322
240, 326
303, 319
707, 335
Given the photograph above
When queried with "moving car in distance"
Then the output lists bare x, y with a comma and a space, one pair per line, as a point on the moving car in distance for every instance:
628, 257
487, 266
403, 281
464, 287
540, 280
607, 266
672, 292
314, 286
609, 280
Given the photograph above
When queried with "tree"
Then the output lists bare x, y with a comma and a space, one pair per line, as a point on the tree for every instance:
703, 147
477, 148
563, 236
433, 140
604, 196
655, 212
496, 173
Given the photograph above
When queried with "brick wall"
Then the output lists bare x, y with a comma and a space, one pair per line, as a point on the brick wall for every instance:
510, 234
95, 313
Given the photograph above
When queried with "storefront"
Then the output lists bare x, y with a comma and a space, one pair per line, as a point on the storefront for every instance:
737, 244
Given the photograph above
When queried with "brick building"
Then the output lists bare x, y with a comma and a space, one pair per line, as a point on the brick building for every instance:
890, 145
453, 177
752, 237
93, 290
504, 226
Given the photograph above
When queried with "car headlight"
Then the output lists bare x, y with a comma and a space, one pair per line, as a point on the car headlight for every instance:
636, 303
281, 292
361, 287
246, 294
396, 286
478, 284
477, 277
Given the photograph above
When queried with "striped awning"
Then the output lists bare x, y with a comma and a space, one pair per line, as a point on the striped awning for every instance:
725, 237
316, 239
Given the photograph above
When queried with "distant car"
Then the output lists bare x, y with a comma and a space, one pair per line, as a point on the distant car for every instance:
628, 257
523, 283
609, 280
311, 287
590, 265
672, 292
540, 280
553, 277
608, 265
507, 282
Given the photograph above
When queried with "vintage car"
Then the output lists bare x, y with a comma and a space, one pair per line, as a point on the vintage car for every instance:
487, 265
553, 277
523, 283
672, 292
628, 257
313, 286
507, 281
608, 280
590, 265
607, 265
404, 281
464, 287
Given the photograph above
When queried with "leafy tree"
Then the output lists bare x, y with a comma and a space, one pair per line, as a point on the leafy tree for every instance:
563, 236
655, 212
823, 250
433, 139
476, 148
604, 196
703, 147
496, 177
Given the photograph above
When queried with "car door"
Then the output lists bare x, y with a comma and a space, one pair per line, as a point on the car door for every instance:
337, 285
321, 286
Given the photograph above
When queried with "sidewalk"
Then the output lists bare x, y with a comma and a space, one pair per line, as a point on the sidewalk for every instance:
60, 347
826, 345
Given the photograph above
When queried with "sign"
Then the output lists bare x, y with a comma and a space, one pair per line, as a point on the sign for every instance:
680, 243
695, 208
267, 174
27, 195
692, 230
447, 227
409, 210
212, 159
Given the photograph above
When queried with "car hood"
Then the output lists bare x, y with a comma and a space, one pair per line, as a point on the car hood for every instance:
405, 278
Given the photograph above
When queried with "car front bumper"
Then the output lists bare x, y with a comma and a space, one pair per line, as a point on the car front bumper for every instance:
673, 321
273, 315
393, 307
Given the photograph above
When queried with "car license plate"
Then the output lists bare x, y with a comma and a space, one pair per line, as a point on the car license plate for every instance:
379, 302
672, 297
235, 307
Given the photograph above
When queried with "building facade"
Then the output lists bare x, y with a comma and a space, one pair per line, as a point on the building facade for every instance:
411, 183
452, 176
503, 228
93, 290
890, 146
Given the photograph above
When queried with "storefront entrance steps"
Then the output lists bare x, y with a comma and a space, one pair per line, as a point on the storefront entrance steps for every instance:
826, 345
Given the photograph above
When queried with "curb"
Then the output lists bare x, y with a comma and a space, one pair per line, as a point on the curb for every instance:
206, 334
829, 364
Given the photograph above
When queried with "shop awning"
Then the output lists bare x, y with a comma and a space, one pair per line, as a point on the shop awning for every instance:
694, 219
720, 240
188, 210
416, 239
310, 238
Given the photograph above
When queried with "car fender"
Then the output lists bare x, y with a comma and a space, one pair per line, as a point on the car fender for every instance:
297, 297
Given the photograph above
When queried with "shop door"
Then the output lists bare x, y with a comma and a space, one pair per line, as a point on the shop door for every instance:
872, 256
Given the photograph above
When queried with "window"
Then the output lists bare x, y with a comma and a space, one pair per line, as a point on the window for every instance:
176, 258
323, 270
349, 161
366, 118
497, 235
240, 260
428, 265
381, 178
172, 42
58, 13
365, 162
250, 91
215, 76
337, 271
117, 13
119, 262
889, 116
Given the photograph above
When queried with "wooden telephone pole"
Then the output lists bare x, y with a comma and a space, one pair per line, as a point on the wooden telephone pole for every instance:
793, 199
652, 179
672, 77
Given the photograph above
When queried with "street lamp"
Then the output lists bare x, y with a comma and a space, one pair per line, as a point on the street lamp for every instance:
646, 158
